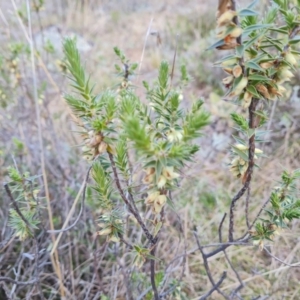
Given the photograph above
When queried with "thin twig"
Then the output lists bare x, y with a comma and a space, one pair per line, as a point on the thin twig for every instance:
236, 274
215, 288
16, 207
281, 261
247, 207
248, 175
127, 281
207, 269
152, 274
220, 228
228, 260
31, 230
7, 279
29, 38
259, 213
128, 203
174, 61
125, 242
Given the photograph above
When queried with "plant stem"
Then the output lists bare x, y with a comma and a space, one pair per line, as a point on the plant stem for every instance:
136, 214
152, 270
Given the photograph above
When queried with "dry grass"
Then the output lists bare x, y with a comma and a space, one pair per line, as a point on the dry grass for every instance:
88, 264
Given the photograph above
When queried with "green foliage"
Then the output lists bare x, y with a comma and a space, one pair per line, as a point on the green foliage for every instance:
24, 193
116, 121
111, 224
285, 206
79, 78
19, 226
102, 186
240, 121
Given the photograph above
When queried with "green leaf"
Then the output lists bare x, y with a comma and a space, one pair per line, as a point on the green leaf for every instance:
253, 4
157, 228
163, 75
283, 31
252, 90
247, 12
252, 28
240, 121
240, 50
215, 45
258, 77
251, 132
254, 66
250, 42
295, 40
240, 153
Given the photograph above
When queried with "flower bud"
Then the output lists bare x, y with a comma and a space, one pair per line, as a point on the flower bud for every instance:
237, 71
267, 65
263, 90
239, 88
258, 151
241, 147
229, 62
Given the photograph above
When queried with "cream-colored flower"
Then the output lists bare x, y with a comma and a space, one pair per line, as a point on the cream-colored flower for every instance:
237, 71
239, 88
102, 147
114, 238
159, 203
247, 100
169, 174
267, 65
175, 135
236, 32
105, 231
152, 197
227, 80
150, 173
226, 18
290, 58
284, 75
162, 180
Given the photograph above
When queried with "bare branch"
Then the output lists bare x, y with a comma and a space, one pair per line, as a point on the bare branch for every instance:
281, 261
204, 297
207, 269
247, 207
7, 279
127, 202
248, 175
31, 230
152, 275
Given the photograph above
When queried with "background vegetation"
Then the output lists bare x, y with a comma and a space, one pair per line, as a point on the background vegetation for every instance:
37, 136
